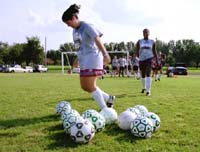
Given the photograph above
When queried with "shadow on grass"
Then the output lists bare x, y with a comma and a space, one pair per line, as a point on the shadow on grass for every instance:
89, 99
60, 138
120, 95
6, 124
78, 99
3, 135
121, 135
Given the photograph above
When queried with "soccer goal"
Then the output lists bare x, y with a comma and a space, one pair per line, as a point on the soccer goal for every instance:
68, 54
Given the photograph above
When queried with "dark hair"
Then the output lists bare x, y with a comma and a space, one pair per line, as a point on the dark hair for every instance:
73, 10
146, 29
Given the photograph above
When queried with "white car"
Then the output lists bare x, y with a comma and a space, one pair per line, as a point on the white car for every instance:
16, 68
28, 69
40, 68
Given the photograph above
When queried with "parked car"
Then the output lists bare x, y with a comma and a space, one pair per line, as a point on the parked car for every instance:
16, 68
40, 68
28, 69
170, 71
180, 70
2, 68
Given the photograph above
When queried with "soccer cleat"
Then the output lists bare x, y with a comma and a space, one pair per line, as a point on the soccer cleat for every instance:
143, 90
110, 101
148, 93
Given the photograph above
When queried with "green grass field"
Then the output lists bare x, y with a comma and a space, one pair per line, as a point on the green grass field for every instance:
28, 122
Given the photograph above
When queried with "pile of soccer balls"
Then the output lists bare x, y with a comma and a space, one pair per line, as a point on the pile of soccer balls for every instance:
82, 128
139, 121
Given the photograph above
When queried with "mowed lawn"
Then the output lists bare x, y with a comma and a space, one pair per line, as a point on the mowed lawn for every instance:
28, 122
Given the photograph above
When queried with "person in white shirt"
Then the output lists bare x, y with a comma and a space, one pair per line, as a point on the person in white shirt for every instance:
135, 63
91, 55
122, 64
146, 50
115, 66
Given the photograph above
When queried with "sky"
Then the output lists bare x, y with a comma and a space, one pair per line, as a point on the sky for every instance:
118, 20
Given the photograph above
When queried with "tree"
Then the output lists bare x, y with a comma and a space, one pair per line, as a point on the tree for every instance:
4, 53
33, 51
54, 56
130, 46
196, 54
15, 53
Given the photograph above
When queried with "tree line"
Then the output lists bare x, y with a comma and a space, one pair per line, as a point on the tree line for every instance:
185, 51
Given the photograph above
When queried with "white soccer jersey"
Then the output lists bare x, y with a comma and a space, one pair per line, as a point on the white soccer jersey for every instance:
122, 62
89, 56
135, 61
146, 49
115, 62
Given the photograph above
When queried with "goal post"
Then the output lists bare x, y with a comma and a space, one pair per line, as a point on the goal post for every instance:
68, 62
75, 53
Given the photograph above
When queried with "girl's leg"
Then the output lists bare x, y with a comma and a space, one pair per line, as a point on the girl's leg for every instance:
108, 98
89, 84
143, 72
148, 79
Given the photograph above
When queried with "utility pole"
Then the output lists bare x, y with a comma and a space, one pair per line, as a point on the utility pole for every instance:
45, 49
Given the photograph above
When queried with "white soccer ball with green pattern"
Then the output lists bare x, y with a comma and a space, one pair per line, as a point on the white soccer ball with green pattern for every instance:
95, 118
88, 113
74, 112
69, 119
155, 119
141, 127
63, 106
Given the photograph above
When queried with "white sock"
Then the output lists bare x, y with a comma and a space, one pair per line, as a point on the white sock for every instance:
135, 75
128, 73
98, 96
148, 84
159, 76
105, 95
138, 75
143, 83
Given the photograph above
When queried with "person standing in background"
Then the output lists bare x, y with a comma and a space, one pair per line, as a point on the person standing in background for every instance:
146, 50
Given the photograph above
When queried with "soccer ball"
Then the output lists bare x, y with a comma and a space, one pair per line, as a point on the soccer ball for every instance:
125, 118
83, 131
109, 114
141, 127
134, 110
69, 119
63, 106
65, 114
88, 113
143, 110
155, 119
95, 118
